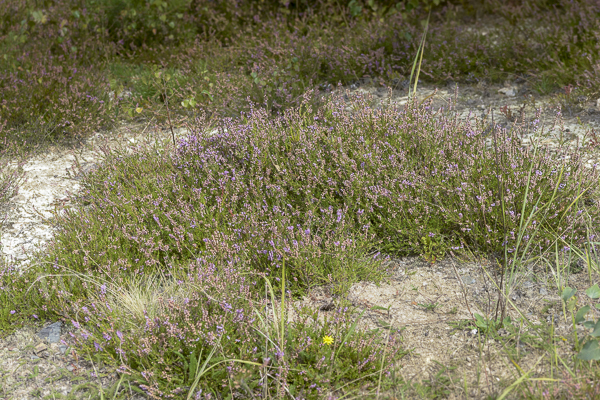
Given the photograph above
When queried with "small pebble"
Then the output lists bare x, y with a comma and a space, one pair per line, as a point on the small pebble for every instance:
40, 348
510, 92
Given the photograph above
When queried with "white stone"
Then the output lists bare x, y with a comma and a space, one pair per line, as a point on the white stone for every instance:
508, 91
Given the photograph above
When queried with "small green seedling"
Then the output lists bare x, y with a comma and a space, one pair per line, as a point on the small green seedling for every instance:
429, 306
460, 325
486, 325
386, 309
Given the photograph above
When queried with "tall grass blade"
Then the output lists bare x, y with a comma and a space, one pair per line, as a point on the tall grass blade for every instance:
419, 57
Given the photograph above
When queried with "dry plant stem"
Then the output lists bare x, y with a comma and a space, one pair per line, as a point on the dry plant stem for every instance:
169, 113
462, 285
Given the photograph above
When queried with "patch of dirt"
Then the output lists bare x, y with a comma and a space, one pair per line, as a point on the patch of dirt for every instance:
433, 312
33, 368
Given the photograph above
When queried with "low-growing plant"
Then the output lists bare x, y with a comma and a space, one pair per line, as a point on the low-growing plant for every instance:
429, 306
239, 333
486, 325
587, 346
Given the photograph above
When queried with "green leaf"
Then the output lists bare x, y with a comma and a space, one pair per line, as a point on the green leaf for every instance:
580, 316
590, 351
355, 8
480, 322
596, 331
589, 324
384, 324
39, 17
193, 367
593, 292
571, 304
567, 293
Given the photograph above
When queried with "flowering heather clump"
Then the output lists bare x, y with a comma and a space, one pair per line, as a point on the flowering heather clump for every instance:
165, 273
320, 186
311, 191
388, 168
215, 309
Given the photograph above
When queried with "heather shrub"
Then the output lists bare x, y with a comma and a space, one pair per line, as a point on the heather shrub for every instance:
321, 185
23, 299
58, 59
210, 328
300, 200
386, 166
51, 84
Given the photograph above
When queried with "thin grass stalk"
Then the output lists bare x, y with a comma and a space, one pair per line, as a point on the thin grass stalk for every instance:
281, 330
500, 303
419, 56
282, 305
383, 361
